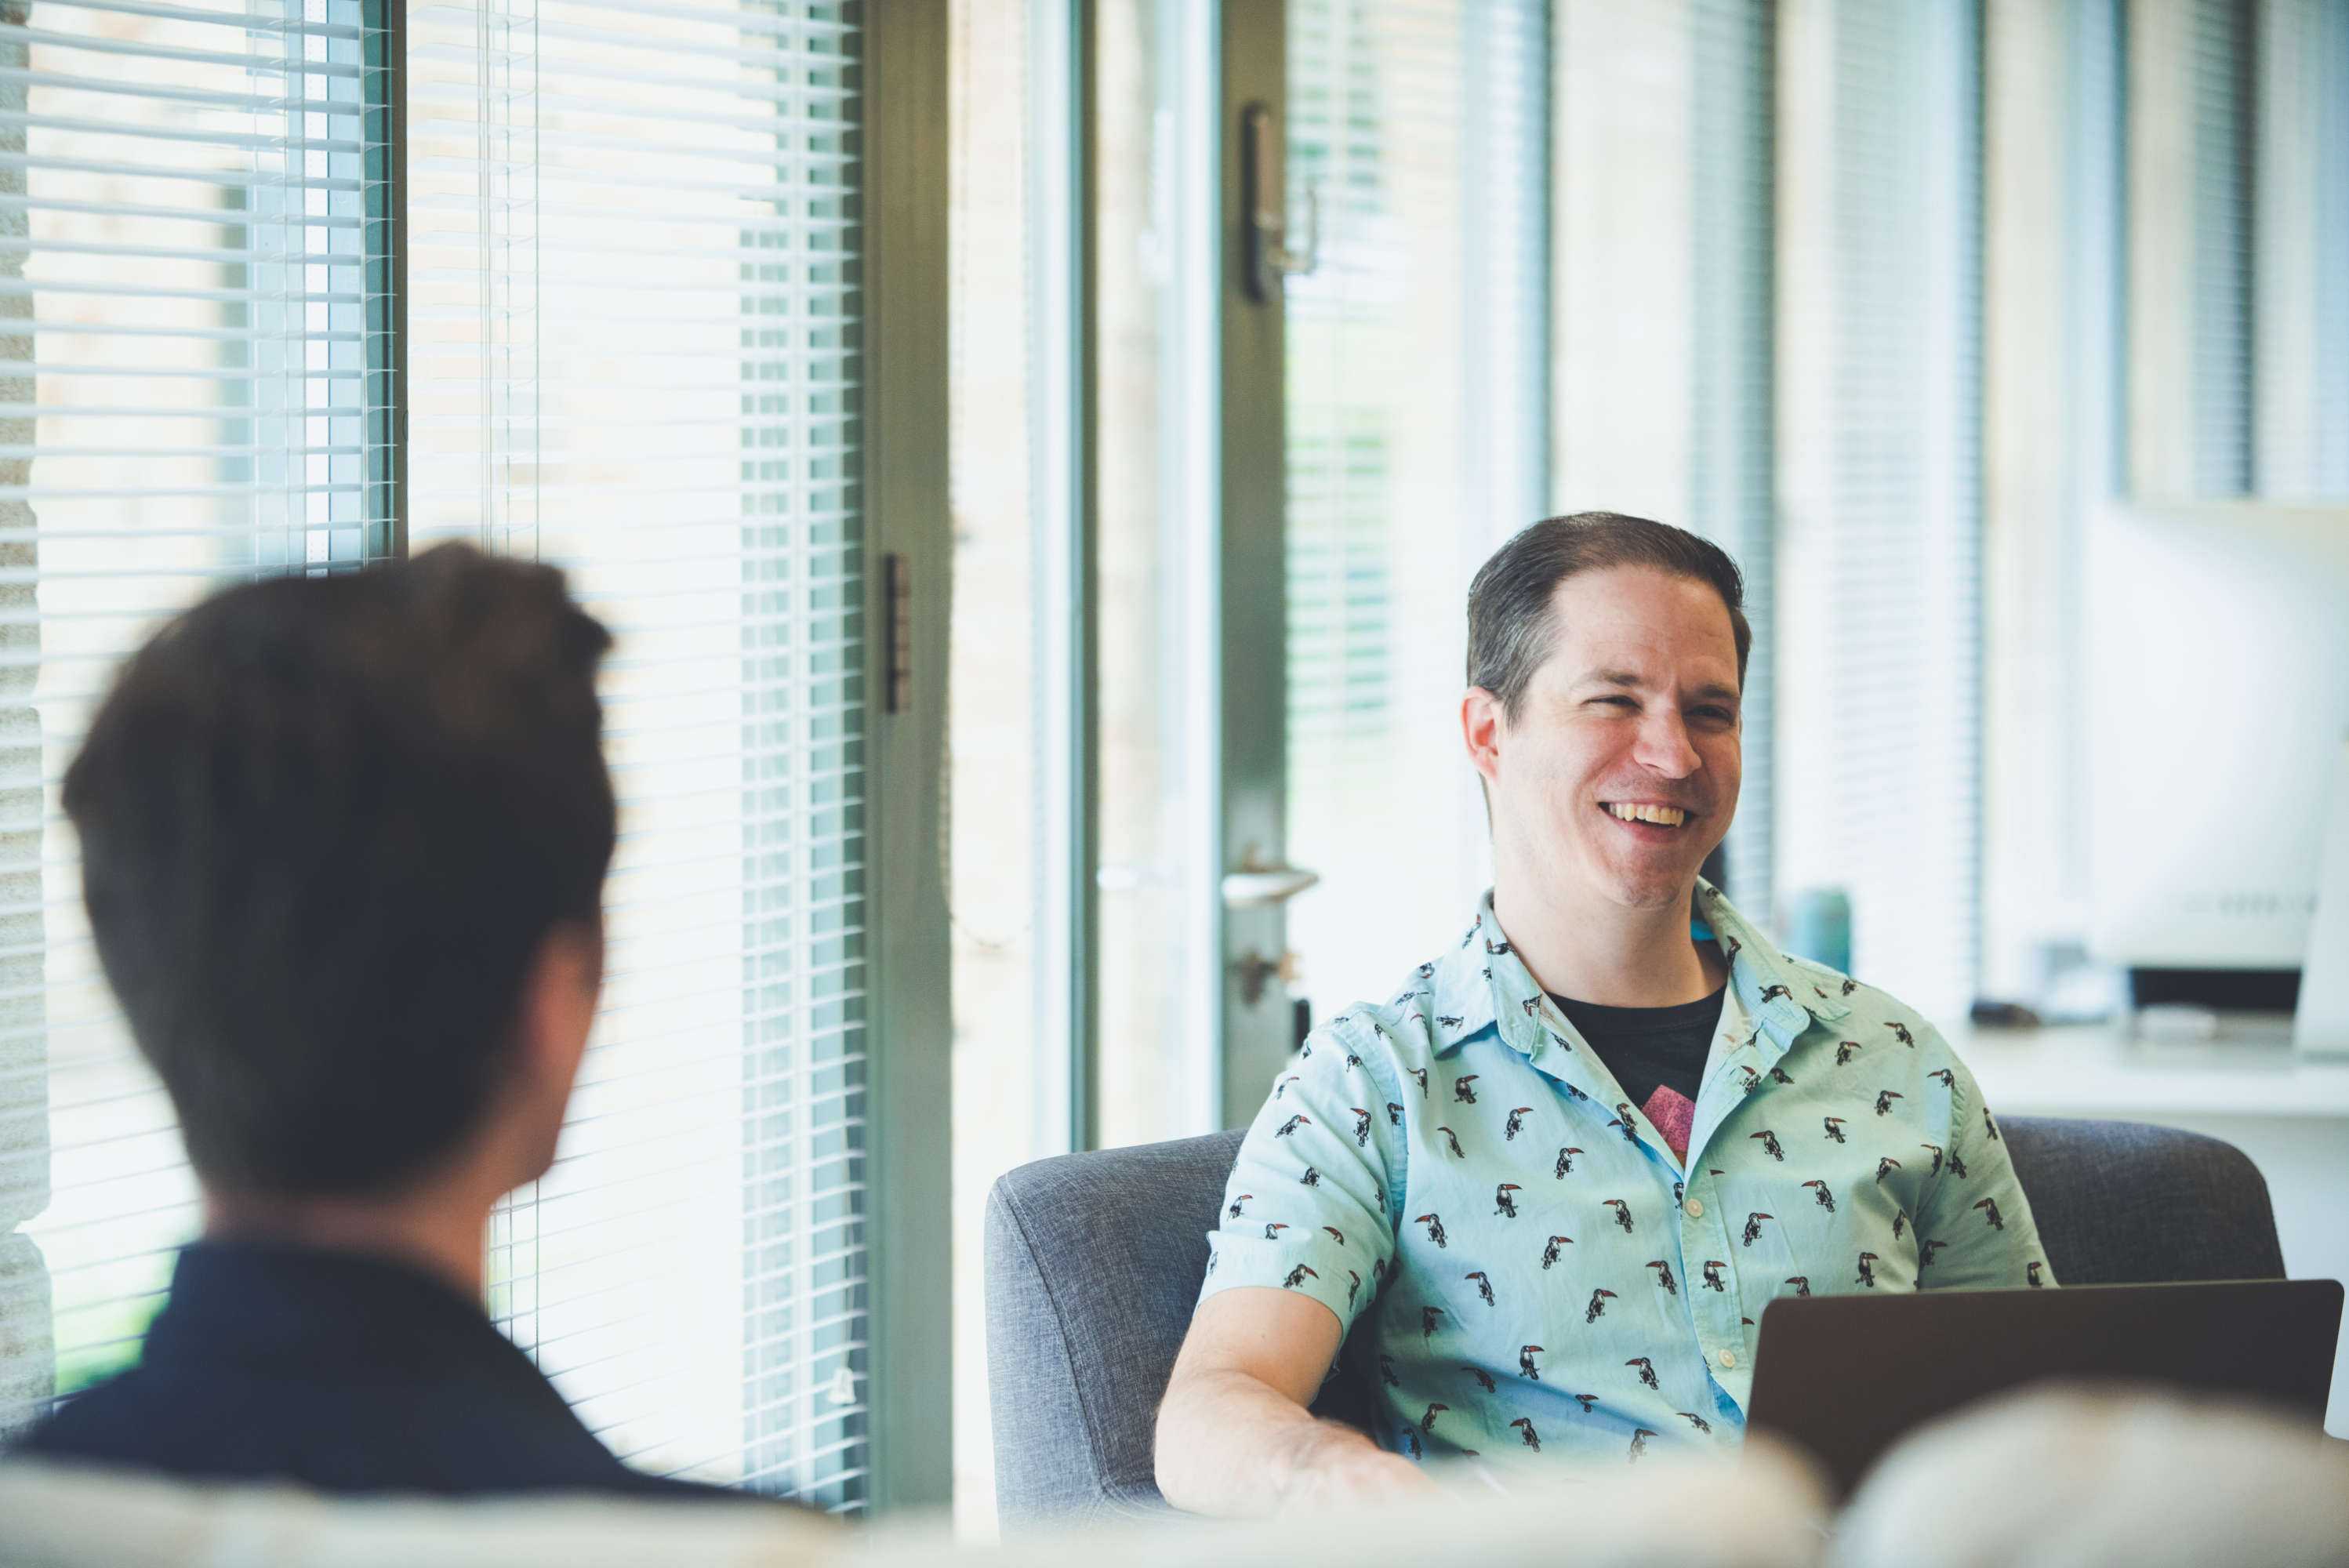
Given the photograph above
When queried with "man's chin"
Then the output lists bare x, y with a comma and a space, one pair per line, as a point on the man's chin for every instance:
1648, 884
1646, 896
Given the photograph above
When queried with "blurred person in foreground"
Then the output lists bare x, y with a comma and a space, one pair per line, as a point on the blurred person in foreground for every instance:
344, 841
1540, 1197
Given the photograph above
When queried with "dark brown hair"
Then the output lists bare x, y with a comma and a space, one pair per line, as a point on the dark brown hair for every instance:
327, 824
1510, 626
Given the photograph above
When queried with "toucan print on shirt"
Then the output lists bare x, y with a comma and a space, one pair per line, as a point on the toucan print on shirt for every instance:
1525, 1261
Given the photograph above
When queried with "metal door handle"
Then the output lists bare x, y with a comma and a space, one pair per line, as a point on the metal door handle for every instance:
1255, 885
1265, 228
1257, 971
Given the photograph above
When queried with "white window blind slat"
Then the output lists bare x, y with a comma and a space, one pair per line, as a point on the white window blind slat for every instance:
278, 22
187, 375
821, 25
81, 46
284, 103
178, 135
634, 353
162, 373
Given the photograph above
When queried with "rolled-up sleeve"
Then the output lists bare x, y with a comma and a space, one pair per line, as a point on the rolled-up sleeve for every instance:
1311, 1201
1975, 1227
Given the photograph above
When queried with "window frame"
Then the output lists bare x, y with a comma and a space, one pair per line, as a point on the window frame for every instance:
903, 468
904, 417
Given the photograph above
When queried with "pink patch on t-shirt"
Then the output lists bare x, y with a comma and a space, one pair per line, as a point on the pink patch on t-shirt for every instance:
1671, 1113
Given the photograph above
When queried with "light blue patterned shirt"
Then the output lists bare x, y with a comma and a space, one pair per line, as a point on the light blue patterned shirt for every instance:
1520, 1260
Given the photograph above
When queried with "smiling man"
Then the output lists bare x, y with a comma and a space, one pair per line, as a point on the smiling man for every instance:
1541, 1196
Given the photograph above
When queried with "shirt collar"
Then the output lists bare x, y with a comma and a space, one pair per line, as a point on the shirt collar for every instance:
1480, 982
1479, 977
1770, 984
329, 1316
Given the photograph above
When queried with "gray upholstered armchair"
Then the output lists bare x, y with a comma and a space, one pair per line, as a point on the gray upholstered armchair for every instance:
1094, 1262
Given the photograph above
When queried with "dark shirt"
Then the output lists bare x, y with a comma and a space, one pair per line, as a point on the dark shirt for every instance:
343, 1372
1648, 1047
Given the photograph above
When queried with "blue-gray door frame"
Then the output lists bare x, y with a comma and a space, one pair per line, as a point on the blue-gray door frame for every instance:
909, 1218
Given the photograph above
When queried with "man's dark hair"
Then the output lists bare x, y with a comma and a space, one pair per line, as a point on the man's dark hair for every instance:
1509, 622
327, 824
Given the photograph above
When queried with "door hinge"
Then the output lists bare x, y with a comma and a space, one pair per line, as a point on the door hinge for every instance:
897, 663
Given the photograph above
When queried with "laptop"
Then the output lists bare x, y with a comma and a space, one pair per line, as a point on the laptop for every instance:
1846, 1376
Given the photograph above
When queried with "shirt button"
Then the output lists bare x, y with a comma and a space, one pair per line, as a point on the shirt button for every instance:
1728, 1359
1695, 1209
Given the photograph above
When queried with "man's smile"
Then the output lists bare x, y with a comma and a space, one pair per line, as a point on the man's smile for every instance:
1653, 813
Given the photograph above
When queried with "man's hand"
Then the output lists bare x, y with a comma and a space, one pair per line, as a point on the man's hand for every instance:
1235, 1436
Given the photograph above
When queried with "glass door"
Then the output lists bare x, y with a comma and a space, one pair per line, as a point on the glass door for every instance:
1191, 1011
1416, 406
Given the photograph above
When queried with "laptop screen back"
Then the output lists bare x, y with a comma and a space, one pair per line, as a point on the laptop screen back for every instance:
1846, 1376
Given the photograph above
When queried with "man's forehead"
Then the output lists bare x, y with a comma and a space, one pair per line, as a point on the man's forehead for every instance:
1633, 625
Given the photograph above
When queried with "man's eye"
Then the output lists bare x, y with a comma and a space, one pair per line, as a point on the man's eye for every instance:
1625, 701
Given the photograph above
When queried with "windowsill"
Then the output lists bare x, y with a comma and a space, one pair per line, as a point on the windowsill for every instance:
2093, 1071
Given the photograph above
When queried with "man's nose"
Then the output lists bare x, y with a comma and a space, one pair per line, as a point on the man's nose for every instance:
1664, 745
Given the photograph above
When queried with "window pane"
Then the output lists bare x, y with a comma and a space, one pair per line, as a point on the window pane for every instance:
1000, 1119
1878, 386
636, 316
1661, 396
1156, 969
2301, 398
1416, 407
192, 276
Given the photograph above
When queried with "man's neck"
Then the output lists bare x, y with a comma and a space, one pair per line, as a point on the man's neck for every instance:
1593, 950
438, 1232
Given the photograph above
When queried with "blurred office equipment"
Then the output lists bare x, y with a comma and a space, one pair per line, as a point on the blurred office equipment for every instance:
2319, 1025
2218, 686
1816, 925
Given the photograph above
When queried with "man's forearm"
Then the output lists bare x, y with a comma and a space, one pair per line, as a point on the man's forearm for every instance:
1229, 1444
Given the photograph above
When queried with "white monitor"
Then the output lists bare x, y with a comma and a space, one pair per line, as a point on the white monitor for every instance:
2217, 675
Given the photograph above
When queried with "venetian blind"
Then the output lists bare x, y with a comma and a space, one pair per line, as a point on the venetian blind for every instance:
2299, 391
2238, 148
194, 387
2220, 69
1878, 378
1662, 363
634, 319
1732, 475
1416, 439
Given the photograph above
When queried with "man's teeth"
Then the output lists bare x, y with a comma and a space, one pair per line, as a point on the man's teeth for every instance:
1669, 816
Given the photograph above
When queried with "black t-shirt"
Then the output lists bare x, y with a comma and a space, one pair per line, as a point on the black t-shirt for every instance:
1645, 1047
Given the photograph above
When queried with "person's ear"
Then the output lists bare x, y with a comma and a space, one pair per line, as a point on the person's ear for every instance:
558, 1005
1481, 724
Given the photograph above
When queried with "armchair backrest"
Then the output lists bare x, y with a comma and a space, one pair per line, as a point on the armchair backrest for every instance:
1093, 1264
1095, 1261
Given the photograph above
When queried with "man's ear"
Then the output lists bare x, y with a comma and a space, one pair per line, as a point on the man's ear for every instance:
559, 999
1482, 723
